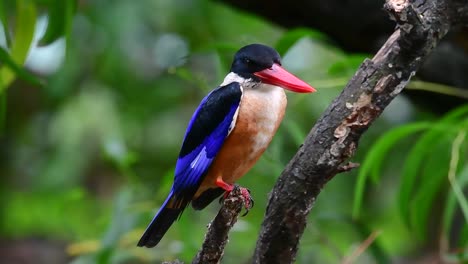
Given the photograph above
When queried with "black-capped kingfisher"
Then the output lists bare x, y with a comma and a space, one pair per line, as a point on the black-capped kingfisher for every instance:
229, 131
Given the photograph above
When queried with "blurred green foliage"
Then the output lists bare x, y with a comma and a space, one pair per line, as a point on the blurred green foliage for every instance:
94, 100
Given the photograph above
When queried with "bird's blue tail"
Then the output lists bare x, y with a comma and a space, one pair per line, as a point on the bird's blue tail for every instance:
160, 224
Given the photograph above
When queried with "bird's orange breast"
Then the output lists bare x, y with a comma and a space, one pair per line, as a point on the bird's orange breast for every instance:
260, 114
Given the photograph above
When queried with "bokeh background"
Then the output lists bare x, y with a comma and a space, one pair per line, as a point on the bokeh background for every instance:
95, 97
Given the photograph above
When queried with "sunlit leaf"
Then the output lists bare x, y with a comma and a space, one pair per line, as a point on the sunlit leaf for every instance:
24, 30
376, 156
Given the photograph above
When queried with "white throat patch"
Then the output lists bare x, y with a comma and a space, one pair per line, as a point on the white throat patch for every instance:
234, 77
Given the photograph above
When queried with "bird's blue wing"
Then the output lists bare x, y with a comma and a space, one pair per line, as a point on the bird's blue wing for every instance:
208, 129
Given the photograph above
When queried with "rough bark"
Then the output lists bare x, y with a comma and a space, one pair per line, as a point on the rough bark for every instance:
218, 230
334, 138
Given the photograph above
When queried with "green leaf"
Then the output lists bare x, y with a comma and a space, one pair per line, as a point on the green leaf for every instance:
389, 140
56, 23
60, 17
17, 70
24, 31
70, 10
451, 203
376, 156
4, 20
418, 154
433, 179
292, 36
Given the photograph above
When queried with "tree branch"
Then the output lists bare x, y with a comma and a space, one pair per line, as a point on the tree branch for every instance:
334, 139
218, 230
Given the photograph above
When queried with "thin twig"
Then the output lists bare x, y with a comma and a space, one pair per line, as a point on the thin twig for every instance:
438, 88
348, 166
218, 230
362, 247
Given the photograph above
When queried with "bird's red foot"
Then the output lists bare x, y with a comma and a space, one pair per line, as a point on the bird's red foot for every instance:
245, 194
248, 200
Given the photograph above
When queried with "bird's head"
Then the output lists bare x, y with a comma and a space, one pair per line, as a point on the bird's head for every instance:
261, 63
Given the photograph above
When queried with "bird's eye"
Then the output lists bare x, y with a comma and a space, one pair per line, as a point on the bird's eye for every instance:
248, 61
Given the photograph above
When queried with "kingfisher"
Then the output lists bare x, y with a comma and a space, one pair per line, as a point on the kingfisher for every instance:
229, 131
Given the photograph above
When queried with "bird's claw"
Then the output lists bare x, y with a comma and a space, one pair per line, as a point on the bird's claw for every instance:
246, 198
